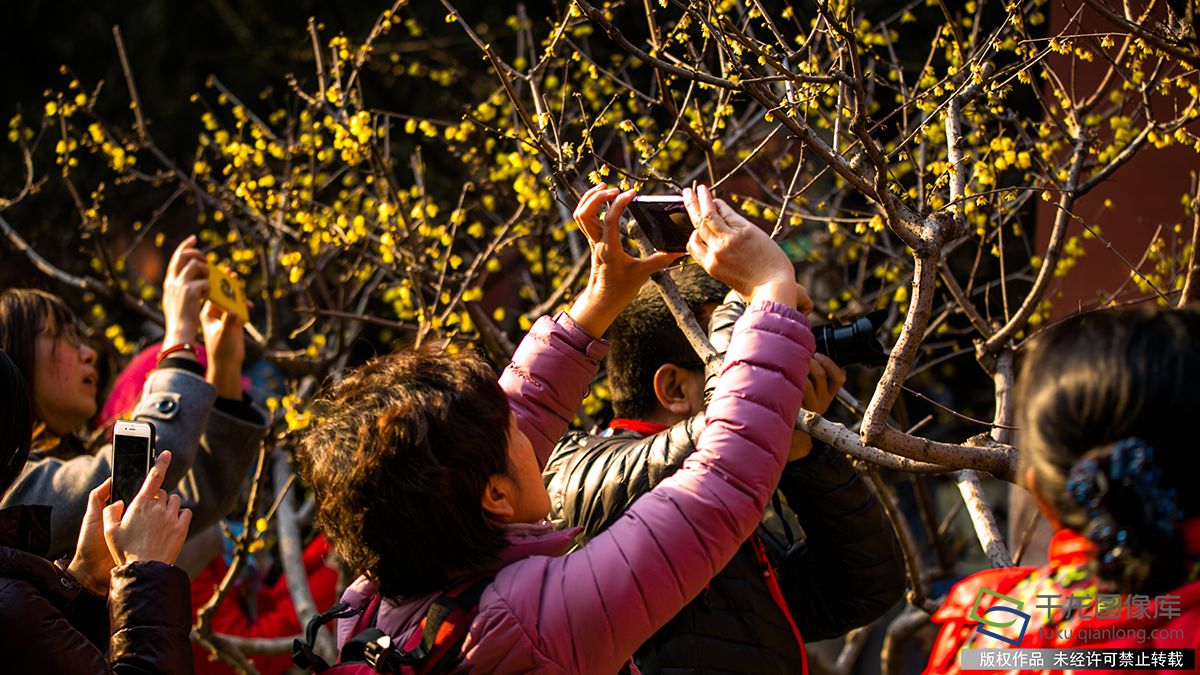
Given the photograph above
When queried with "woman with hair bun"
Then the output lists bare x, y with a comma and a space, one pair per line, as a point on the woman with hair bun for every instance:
1107, 403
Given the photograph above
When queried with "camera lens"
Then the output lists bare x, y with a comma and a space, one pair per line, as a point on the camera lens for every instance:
852, 343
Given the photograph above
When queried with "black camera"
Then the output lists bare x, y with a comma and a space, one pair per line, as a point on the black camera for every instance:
854, 342
664, 220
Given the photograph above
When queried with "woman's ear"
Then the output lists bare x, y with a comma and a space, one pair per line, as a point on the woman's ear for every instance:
498, 499
1043, 504
672, 390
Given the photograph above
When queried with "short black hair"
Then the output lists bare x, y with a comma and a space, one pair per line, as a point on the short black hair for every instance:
398, 460
645, 336
1100, 379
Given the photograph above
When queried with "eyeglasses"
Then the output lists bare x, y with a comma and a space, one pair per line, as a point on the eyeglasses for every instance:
68, 332
695, 364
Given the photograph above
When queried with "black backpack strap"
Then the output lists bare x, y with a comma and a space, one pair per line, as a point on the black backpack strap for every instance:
303, 654
386, 657
467, 601
354, 651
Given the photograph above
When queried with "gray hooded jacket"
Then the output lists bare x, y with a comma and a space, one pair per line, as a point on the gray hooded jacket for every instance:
211, 452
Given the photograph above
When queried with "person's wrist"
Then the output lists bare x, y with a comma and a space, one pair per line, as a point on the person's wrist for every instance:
781, 290
178, 334
87, 577
591, 313
227, 380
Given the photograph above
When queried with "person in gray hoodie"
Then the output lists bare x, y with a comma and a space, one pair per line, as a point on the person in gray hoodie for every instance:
199, 414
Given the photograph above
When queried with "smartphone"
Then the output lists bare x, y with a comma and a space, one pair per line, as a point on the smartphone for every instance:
133, 452
665, 221
226, 291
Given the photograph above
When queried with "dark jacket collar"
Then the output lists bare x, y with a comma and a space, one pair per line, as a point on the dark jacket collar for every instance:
24, 539
26, 528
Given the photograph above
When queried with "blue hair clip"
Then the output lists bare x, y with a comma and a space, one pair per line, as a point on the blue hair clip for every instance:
1086, 483
1131, 466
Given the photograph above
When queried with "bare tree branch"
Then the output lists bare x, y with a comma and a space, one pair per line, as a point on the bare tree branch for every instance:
1191, 284
1053, 251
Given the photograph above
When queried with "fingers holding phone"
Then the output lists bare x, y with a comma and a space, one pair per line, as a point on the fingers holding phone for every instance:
153, 526
615, 276
92, 563
736, 252
587, 212
223, 318
184, 288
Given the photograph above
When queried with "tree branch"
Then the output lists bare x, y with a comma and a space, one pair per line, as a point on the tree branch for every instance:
1159, 41
1191, 284
982, 519
904, 353
1053, 250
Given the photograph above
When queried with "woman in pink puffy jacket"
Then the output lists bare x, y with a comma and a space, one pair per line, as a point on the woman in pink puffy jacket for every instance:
428, 472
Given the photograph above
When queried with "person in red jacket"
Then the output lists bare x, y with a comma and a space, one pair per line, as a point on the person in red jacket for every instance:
274, 613
1106, 404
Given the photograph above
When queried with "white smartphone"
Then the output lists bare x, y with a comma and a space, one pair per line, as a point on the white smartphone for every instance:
133, 451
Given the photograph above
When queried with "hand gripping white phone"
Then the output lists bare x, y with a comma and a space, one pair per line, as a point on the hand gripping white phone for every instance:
133, 453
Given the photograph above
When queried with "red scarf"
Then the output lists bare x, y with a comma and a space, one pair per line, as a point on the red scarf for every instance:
639, 427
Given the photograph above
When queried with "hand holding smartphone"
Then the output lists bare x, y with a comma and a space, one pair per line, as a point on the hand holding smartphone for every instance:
665, 221
151, 525
133, 452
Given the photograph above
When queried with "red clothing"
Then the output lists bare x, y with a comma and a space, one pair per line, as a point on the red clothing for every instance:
641, 427
276, 615
1065, 574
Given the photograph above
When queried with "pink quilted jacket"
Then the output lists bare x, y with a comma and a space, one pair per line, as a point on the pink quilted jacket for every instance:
587, 611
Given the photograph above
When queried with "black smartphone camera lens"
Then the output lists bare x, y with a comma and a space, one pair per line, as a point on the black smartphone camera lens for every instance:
853, 343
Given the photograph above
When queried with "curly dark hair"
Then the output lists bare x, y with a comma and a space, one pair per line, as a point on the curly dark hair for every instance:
1090, 386
398, 459
645, 336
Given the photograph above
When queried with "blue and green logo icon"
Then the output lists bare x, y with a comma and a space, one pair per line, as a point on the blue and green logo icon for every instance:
1015, 611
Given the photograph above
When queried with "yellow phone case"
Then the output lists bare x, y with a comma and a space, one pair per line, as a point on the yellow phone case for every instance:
226, 291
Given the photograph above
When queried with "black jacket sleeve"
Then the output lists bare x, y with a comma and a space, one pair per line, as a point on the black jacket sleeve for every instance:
150, 611
849, 571
87, 613
593, 479
149, 607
